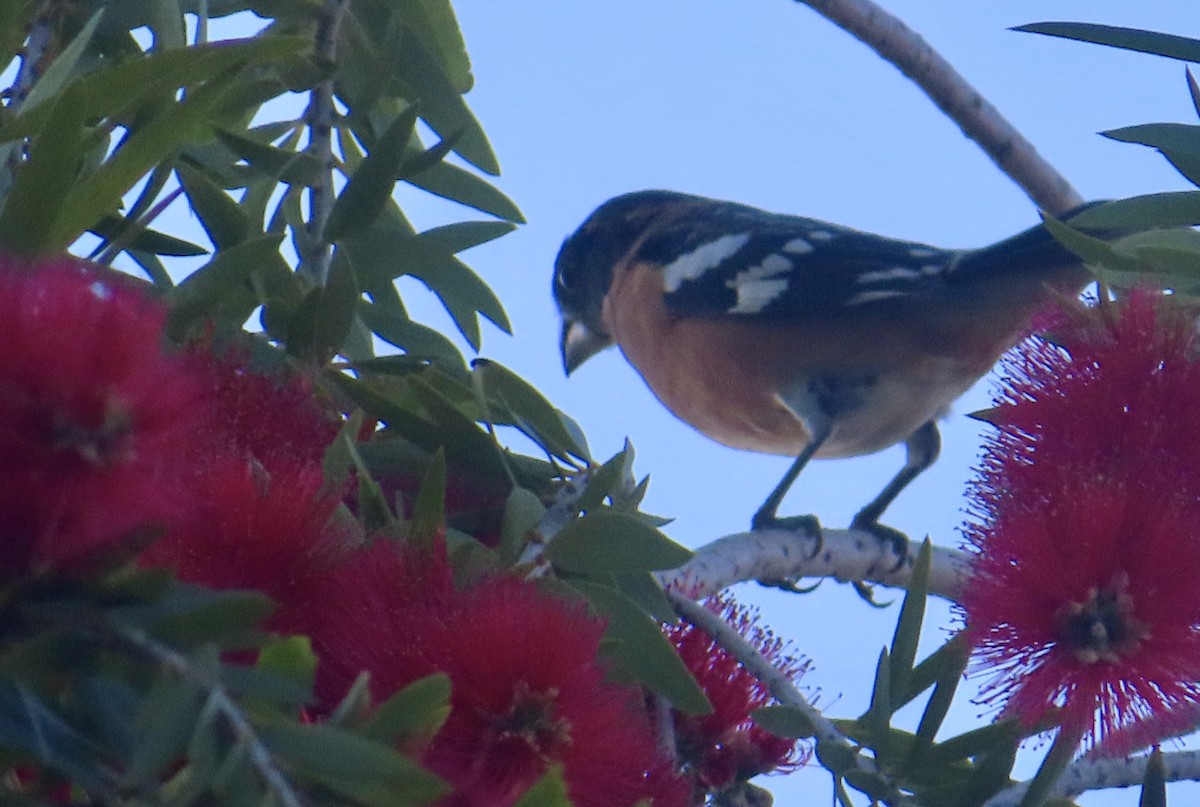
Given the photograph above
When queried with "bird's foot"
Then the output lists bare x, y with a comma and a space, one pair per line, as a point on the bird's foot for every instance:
808, 524
890, 536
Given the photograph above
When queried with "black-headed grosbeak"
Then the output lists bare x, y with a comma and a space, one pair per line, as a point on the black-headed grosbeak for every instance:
791, 336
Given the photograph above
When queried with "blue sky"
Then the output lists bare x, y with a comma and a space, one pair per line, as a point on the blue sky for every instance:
770, 105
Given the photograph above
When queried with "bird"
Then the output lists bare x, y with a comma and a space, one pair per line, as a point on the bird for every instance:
792, 336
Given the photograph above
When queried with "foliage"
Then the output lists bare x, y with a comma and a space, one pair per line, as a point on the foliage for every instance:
154, 674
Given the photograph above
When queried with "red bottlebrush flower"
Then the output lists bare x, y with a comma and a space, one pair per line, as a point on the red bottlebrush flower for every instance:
275, 418
526, 688
275, 532
1083, 595
96, 422
474, 504
726, 746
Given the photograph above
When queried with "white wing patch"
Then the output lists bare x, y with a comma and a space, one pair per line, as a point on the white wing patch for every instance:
884, 275
872, 296
798, 246
757, 286
704, 257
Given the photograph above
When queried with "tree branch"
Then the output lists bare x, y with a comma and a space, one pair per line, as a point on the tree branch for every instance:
1095, 774
220, 702
845, 555
962, 103
315, 251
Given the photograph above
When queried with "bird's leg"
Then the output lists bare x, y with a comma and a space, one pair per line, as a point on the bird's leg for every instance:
923, 447
766, 517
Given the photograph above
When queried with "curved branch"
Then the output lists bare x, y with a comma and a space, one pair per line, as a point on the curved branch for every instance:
962, 103
1095, 774
845, 555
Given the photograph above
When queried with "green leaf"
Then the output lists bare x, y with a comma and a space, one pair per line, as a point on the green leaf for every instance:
321, 324
458, 185
398, 417
370, 187
522, 512
100, 193
637, 645
604, 481
61, 70
392, 325
113, 228
644, 589
1169, 45
28, 725
878, 717
534, 415
1061, 752
548, 791
43, 182
1178, 142
1154, 784
936, 709
197, 616
412, 715
433, 23
608, 541
463, 440
201, 292
784, 721
285, 165
1177, 209
429, 508
903, 651
355, 767
166, 719
289, 657
220, 215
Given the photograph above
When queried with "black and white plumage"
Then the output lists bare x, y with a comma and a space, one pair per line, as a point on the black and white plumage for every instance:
789, 335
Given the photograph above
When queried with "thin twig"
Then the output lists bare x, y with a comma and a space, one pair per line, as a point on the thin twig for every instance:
778, 683
845, 555
962, 103
221, 702
315, 251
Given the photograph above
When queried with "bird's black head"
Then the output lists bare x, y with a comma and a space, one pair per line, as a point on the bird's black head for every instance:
584, 267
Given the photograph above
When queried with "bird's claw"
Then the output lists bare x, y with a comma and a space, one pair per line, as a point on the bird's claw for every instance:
887, 535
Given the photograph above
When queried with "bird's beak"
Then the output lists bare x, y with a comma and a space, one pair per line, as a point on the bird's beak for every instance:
579, 343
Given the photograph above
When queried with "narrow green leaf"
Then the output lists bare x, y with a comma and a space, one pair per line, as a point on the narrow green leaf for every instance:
43, 182
434, 23
1176, 209
459, 185
903, 653
113, 228
412, 715
323, 321
100, 193
429, 508
522, 512
285, 165
604, 481
644, 589
401, 419
165, 723
1193, 89
878, 716
784, 721
535, 416
1094, 251
62, 69
608, 541
290, 657
1061, 752
1154, 784
636, 643
199, 294
370, 187
220, 215
1169, 45
1178, 142
353, 766
464, 441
